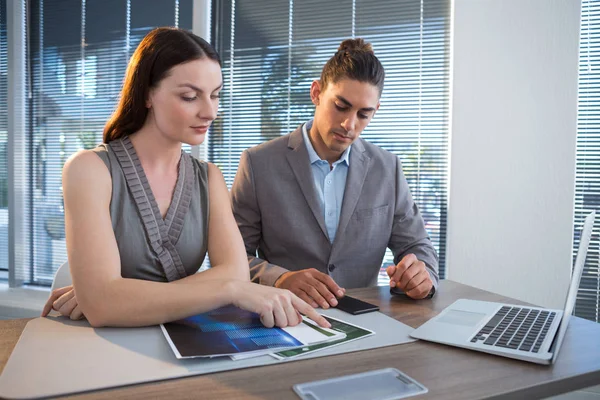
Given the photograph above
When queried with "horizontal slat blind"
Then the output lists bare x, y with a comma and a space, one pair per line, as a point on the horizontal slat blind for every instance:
3, 140
587, 180
273, 50
80, 49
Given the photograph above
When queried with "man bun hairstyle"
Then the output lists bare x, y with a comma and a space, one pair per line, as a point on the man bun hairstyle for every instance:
354, 60
358, 44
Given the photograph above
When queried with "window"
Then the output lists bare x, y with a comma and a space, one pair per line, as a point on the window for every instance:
587, 174
273, 50
3, 140
79, 50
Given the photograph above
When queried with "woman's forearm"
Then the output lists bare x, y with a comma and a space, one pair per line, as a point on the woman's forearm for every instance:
134, 302
236, 271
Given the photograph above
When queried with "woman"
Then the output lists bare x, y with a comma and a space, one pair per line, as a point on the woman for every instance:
140, 214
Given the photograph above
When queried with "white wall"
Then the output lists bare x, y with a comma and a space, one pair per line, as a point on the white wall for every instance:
514, 114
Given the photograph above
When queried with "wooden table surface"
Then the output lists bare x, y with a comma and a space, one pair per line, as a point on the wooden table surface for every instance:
448, 372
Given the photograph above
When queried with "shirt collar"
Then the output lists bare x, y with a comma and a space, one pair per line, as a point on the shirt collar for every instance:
312, 154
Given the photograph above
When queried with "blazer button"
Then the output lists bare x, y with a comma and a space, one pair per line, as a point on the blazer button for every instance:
331, 267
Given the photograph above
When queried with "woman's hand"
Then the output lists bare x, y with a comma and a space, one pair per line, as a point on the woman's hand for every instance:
64, 301
276, 307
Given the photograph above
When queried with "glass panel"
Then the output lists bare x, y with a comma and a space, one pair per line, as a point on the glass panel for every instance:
80, 52
273, 50
3, 140
587, 175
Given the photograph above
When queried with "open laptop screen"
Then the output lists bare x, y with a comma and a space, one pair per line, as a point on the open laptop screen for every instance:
584, 242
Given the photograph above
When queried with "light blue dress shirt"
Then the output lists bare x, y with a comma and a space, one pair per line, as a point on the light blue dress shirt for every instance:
330, 183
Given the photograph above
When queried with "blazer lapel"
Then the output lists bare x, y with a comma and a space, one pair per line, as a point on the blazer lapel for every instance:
299, 162
357, 172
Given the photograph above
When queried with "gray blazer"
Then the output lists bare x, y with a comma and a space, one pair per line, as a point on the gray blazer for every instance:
276, 209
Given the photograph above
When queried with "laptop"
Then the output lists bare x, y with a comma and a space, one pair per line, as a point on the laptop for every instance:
531, 334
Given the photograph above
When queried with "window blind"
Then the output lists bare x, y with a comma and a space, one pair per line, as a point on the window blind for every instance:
79, 53
273, 49
587, 175
3, 140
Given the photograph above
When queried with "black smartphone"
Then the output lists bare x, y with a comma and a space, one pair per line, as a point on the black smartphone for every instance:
355, 306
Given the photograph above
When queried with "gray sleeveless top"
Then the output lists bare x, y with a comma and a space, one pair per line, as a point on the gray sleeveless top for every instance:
152, 248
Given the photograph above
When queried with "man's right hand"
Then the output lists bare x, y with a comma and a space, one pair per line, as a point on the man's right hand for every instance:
312, 286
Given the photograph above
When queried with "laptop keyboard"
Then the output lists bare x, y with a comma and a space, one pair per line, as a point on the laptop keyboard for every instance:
518, 328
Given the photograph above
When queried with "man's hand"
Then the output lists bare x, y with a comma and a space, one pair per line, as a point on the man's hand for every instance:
312, 286
410, 276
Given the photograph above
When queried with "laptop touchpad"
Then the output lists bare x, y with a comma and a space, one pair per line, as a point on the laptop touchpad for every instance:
464, 318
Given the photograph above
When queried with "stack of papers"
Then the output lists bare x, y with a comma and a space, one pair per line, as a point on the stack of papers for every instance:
230, 331
351, 332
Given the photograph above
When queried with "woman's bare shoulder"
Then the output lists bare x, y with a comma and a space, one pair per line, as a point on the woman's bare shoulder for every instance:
214, 172
84, 170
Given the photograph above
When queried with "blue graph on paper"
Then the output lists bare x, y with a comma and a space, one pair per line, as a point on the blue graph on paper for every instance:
225, 331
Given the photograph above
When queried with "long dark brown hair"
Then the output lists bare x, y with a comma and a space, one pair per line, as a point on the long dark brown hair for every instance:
355, 60
159, 51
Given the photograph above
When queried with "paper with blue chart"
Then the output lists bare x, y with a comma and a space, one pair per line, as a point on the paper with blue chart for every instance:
230, 331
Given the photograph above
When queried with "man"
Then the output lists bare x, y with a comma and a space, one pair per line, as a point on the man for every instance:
321, 205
